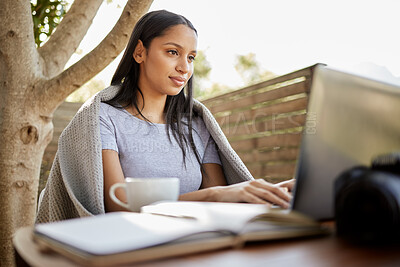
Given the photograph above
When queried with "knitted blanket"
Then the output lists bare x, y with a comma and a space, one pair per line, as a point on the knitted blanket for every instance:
75, 184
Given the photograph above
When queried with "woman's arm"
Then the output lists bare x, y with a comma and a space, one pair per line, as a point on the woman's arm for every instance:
112, 173
213, 187
259, 191
214, 177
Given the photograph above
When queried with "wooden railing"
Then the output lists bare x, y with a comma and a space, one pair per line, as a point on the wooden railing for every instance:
263, 123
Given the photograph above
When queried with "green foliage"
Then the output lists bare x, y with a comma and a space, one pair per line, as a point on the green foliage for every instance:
250, 71
246, 62
202, 70
202, 67
246, 65
215, 90
46, 15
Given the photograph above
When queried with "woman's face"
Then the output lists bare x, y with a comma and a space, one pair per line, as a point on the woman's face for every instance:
167, 64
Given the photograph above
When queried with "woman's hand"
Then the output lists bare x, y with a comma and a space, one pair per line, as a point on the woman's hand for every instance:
255, 191
289, 184
214, 188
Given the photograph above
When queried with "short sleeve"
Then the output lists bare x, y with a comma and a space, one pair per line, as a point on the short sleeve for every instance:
211, 152
107, 129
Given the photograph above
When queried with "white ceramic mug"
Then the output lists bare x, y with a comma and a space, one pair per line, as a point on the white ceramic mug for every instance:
144, 191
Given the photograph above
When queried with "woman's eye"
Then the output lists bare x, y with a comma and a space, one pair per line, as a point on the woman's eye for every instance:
173, 52
191, 58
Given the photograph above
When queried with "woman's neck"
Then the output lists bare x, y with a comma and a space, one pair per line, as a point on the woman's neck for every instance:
152, 108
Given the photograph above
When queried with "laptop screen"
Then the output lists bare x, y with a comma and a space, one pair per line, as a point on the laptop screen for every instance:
350, 120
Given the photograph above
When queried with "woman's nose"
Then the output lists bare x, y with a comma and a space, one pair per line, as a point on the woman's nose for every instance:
183, 66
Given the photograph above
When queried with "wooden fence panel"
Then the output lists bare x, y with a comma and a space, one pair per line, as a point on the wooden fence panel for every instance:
251, 100
275, 155
265, 142
306, 73
299, 104
272, 173
264, 123
270, 126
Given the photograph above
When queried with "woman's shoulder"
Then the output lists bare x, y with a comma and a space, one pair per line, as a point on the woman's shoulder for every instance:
200, 127
109, 112
107, 108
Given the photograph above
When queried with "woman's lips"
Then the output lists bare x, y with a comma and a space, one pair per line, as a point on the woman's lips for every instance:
178, 81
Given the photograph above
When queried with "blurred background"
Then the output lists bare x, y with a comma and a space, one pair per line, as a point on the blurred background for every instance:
244, 42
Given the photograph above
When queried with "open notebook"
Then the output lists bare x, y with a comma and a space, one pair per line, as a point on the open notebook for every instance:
170, 229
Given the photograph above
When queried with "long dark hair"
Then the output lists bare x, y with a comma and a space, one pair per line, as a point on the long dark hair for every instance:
177, 107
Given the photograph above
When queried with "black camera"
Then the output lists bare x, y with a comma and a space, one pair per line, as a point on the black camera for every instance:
367, 202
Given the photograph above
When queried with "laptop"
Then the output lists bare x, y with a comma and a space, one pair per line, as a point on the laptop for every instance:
350, 120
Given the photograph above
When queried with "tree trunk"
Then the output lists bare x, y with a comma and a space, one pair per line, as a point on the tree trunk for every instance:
24, 136
31, 88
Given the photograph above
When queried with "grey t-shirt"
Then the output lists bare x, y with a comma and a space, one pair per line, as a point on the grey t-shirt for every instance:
145, 150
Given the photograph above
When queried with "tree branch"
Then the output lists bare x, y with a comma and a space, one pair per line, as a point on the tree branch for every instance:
19, 58
54, 91
68, 35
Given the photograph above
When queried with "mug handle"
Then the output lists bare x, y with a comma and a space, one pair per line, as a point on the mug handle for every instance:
114, 198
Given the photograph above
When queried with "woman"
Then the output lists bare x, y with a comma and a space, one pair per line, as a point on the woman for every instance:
155, 69
145, 125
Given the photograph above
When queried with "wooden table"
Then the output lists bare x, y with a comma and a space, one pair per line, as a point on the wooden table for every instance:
319, 251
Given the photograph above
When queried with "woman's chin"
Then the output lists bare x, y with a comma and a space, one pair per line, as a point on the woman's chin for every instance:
175, 91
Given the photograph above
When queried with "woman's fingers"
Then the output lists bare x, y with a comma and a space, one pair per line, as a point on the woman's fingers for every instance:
268, 195
260, 191
261, 183
256, 191
289, 184
250, 197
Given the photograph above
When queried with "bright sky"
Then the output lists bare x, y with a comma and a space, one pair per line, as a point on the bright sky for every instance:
285, 35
